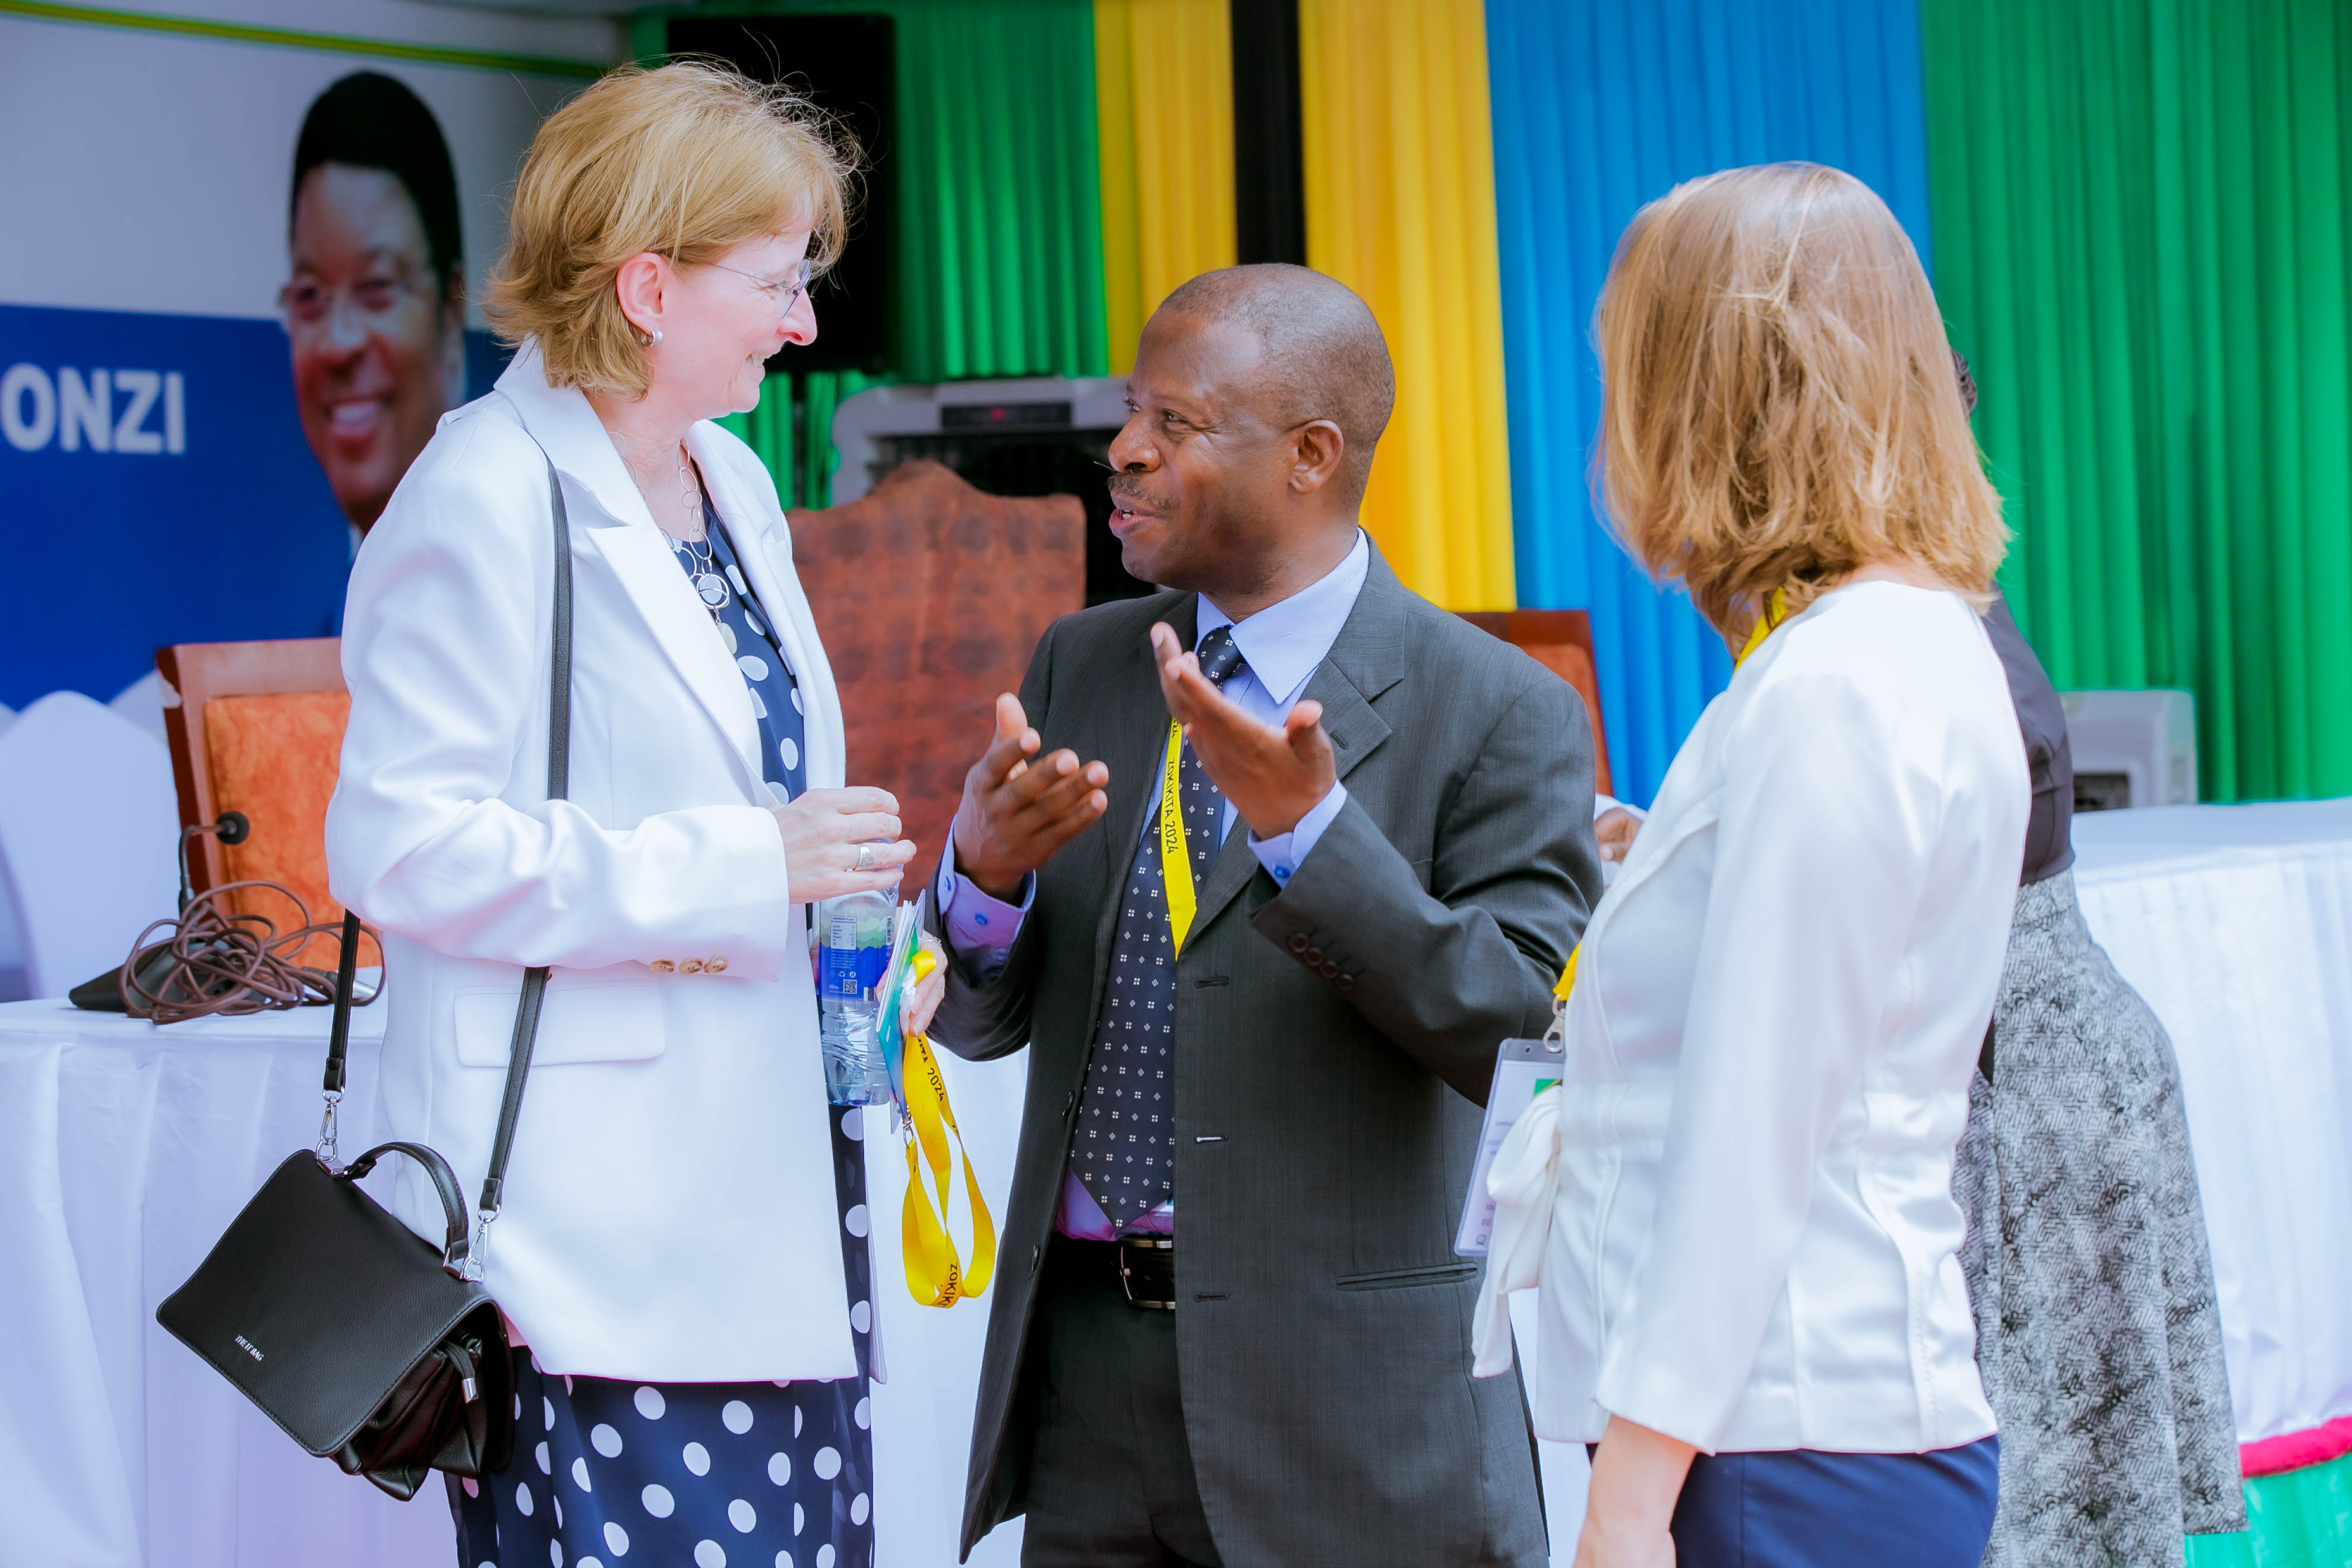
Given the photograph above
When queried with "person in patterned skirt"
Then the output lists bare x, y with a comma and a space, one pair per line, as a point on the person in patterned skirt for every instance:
2098, 1330
683, 1248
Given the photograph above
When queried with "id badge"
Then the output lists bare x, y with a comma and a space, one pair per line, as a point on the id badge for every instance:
1523, 1070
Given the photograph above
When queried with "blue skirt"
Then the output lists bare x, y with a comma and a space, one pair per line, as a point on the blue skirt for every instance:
613, 1474
1802, 1509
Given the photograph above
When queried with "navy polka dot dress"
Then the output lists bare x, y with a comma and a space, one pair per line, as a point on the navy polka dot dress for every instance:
610, 1473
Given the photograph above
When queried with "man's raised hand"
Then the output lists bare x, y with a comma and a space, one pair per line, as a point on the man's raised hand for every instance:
1274, 777
1018, 807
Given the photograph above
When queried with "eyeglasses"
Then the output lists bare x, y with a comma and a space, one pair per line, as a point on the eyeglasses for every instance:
785, 291
308, 304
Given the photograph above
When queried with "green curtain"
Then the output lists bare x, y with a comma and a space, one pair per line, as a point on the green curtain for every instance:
2142, 244
1000, 220
768, 430
2300, 1518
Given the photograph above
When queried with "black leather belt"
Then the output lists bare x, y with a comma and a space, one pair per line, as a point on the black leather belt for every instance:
1142, 1267
1146, 1271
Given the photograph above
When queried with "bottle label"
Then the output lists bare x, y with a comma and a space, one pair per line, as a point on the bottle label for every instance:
839, 973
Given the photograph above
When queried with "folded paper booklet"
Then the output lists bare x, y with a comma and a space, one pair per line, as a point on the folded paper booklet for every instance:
890, 992
1523, 1070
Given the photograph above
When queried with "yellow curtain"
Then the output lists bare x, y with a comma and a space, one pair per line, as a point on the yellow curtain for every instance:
1399, 164
1166, 154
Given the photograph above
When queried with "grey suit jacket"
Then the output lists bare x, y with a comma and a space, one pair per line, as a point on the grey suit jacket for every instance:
1335, 1038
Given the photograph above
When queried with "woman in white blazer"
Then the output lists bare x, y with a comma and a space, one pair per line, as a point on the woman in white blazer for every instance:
1737, 1203
680, 1251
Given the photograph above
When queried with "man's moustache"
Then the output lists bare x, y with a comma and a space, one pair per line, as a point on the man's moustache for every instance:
1135, 496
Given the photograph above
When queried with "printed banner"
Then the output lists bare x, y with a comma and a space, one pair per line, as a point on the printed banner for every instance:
159, 490
239, 292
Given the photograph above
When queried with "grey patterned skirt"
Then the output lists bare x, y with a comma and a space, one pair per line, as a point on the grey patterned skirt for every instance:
2096, 1329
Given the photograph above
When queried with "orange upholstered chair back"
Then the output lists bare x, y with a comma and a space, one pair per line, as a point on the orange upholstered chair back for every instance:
931, 596
1561, 641
273, 758
258, 728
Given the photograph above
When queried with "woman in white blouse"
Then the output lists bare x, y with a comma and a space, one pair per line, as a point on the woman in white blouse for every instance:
1738, 1201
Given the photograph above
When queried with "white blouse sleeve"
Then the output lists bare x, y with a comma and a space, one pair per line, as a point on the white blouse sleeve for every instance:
442, 653
1823, 839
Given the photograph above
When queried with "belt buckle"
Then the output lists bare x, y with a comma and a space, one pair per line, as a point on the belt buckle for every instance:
1161, 1244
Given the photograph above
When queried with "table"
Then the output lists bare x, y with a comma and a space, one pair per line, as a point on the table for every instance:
2235, 923
128, 1148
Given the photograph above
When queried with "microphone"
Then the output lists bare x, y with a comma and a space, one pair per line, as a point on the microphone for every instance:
232, 827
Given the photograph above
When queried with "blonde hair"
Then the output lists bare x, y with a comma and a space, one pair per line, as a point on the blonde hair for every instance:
1779, 407
687, 162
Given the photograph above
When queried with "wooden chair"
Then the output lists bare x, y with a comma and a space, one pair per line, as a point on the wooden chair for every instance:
1561, 641
931, 596
258, 728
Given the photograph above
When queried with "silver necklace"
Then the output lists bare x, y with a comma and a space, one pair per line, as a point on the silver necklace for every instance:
702, 568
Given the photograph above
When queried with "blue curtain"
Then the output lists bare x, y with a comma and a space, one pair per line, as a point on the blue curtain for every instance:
1600, 105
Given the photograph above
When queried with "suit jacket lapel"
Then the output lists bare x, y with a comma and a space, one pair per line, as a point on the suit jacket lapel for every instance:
641, 558
765, 544
612, 520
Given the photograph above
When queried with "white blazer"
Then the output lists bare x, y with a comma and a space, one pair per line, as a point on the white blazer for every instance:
1778, 1003
670, 1210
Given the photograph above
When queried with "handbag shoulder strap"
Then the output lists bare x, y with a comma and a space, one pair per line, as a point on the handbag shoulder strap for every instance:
339, 1037
534, 980
559, 785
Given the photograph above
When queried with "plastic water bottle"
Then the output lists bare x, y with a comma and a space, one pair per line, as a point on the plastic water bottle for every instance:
854, 947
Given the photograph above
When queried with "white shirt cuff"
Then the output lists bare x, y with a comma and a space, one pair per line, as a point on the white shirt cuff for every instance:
1283, 854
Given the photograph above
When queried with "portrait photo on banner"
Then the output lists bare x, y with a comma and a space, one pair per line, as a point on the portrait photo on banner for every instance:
252, 300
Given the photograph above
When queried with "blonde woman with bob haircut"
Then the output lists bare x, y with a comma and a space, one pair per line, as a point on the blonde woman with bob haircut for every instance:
680, 1250
1737, 1202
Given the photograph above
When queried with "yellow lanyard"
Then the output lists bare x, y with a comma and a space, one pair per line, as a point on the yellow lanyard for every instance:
936, 1275
1175, 858
1776, 610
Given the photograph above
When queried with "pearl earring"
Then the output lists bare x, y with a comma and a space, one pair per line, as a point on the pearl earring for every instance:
654, 342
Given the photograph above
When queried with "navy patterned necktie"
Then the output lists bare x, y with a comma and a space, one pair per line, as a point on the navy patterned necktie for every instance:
1125, 1148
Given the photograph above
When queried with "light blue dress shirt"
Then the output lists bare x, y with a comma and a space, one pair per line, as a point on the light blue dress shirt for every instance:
1282, 646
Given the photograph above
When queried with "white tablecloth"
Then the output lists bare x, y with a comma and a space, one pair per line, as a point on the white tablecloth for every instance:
127, 1151
2235, 922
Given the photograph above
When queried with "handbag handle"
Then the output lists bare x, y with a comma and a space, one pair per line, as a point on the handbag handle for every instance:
444, 1183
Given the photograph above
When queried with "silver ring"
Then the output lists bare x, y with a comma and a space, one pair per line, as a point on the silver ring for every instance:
865, 858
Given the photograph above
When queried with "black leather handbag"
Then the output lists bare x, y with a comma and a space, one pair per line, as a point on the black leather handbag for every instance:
366, 1343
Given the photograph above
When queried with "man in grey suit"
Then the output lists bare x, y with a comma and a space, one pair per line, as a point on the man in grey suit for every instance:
1263, 961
